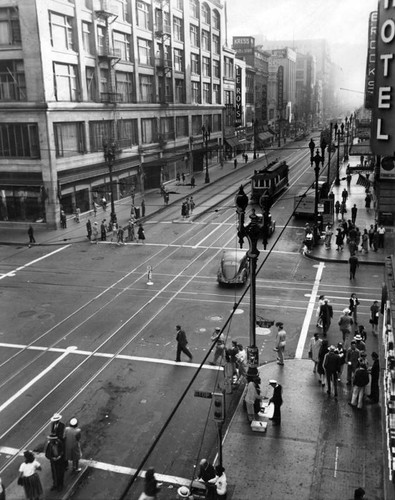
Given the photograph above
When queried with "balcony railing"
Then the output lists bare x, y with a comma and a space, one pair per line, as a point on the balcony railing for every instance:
162, 29
111, 97
163, 62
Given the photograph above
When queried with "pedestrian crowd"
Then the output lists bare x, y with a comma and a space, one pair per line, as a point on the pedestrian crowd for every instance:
350, 352
62, 449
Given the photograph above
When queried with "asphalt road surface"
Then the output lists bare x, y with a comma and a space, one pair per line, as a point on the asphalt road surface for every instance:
83, 334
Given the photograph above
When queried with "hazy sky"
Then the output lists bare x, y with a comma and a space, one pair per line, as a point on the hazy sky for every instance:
344, 23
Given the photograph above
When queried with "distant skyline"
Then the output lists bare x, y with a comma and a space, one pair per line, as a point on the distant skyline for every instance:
343, 23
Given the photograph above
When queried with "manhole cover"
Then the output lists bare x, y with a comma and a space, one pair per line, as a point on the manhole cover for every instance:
215, 318
263, 331
239, 311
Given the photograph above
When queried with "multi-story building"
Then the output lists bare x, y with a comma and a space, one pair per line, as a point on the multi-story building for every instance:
80, 78
305, 86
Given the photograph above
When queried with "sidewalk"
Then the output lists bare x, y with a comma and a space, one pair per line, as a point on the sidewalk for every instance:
154, 203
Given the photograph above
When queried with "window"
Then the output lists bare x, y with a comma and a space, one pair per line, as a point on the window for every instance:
149, 130
216, 44
143, 15
194, 35
69, 138
196, 98
216, 94
196, 125
228, 69
182, 126
90, 83
216, 20
165, 89
121, 44
124, 85
146, 88
101, 40
180, 4
178, 60
205, 40
162, 21
103, 83
19, 140
180, 91
206, 13
86, 37
144, 51
206, 93
61, 31
127, 133
66, 82
12, 81
195, 64
217, 123
229, 97
120, 7
99, 131
10, 31
167, 129
206, 64
178, 29
216, 69
194, 8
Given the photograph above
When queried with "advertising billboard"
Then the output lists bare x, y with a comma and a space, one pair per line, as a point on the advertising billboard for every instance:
244, 44
239, 94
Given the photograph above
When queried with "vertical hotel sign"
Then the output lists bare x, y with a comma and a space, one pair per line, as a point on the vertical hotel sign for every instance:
239, 107
383, 123
371, 61
280, 88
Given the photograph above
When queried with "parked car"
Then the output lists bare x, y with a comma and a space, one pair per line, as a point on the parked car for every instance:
234, 267
270, 222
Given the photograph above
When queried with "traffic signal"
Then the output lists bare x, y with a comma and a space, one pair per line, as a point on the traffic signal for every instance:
219, 406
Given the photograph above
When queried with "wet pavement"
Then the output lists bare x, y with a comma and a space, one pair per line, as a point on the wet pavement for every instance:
324, 448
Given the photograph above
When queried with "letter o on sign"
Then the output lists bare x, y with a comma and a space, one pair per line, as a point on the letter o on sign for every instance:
387, 35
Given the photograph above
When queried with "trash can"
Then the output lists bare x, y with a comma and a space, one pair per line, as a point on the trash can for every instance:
137, 211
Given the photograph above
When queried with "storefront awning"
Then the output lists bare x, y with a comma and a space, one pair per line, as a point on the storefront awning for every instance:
264, 136
362, 148
232, 141
21, 179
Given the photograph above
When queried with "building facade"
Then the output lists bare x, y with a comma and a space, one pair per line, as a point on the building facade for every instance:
141, 77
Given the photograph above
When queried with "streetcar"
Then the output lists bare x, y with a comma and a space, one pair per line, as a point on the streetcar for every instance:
268, 182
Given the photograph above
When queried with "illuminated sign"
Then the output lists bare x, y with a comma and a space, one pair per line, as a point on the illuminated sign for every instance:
383, 133
371, 61
238, 99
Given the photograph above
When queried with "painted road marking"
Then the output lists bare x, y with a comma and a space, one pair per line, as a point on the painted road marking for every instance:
126, 357
180, 481
12, 273
309, 312
36, 379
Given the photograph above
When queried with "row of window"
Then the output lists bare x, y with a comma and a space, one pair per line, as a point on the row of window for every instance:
99, 85
21, 140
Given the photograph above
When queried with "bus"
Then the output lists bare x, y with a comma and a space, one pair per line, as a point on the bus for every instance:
268, 182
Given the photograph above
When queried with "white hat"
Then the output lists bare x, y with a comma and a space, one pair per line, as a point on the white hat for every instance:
217, 329
346, 311
73, 422
272, 381
56, 417
357, 337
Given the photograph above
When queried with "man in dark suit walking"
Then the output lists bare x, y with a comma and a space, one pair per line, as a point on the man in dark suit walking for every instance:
182, 344
277, 400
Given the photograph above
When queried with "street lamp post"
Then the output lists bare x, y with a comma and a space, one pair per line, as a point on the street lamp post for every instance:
255, 124
109, 157
328, 179
346, 142
337, 133
206, 131
251, 232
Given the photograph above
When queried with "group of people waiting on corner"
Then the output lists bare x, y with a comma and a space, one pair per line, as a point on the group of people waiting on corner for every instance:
254, 397
63, 445
329, 360
187, 207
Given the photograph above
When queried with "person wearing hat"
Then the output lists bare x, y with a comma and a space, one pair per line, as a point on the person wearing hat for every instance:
54, 452
374, 395
352, 358
220, 482
182, 343
57, 426
331, 366
28, 477
361, 346
72, 446
353, 306
206, 475
326, 315
277, 400
151, 486
280, 342
345, 323
342, 356
219, 339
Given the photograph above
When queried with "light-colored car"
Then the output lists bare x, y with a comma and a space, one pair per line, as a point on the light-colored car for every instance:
234, 267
